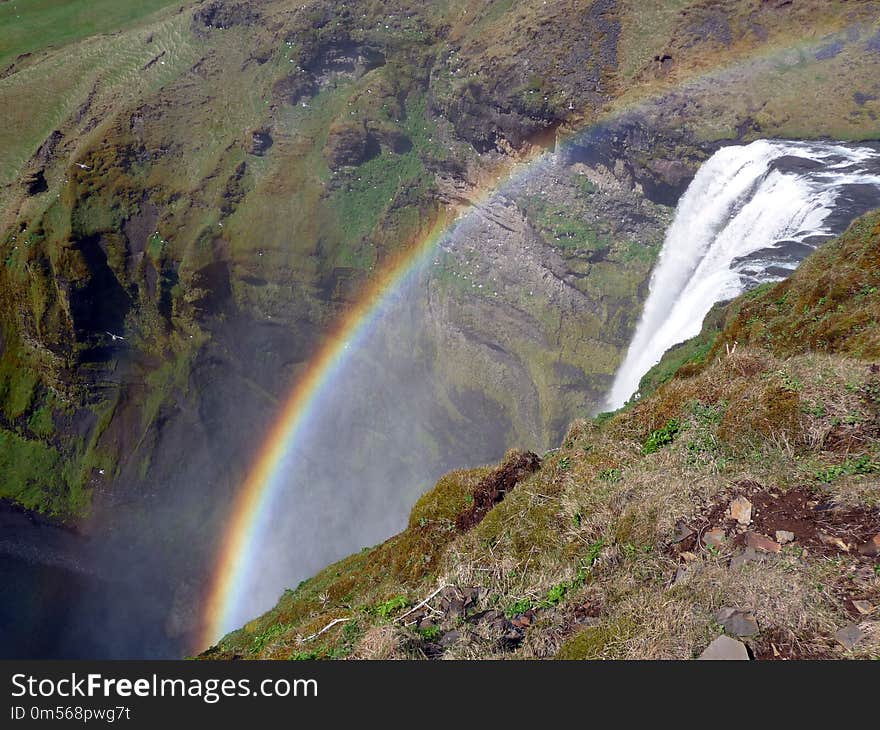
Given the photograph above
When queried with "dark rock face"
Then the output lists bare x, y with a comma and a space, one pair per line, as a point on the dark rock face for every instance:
343, 58
259, 142
101, 304
35, 183
223, 14
518, 101
642, 151
213, 283
349, 145
291, 89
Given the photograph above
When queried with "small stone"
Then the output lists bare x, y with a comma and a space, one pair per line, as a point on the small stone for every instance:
784, 536
863, 607
849, 635
688, 556
685, 572
682, 532
455, 609
737, 622
741, 510
833, 541
426, 623
762, 542
746, 556
872, 547
723, 647
715, 537
449, 638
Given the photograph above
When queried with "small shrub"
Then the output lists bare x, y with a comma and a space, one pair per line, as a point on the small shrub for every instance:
662, 436
390, 606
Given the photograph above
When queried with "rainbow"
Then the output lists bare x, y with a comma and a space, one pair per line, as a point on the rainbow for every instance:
266, 477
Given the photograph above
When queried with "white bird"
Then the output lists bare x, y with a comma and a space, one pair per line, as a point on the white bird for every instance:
115, 337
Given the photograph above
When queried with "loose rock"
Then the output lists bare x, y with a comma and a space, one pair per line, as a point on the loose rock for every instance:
762, 542
714, 537
737, 622
746, 556
872, 547
741, 510
784, 536
849, 635
723, 647
833, 541
863, 607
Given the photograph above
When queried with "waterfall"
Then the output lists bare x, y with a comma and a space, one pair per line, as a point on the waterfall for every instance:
751, 215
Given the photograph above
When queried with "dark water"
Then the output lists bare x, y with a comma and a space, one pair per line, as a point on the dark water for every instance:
53, 606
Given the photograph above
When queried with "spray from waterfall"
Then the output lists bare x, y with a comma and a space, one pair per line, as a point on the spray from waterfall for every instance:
751, 215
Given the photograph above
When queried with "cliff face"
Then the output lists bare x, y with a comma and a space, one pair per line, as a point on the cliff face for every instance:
190, 202
153, 213
739, 498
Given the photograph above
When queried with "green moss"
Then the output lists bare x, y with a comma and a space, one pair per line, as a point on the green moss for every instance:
594, 642
451, 496
17, 390
41, 423
33, 475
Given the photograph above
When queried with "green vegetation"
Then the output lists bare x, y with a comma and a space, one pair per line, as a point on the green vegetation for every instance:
392, 605
35, 476
661, 437
864, 464
565, 228
28, 26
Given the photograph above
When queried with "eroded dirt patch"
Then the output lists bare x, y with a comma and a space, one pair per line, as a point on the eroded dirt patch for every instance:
495, 486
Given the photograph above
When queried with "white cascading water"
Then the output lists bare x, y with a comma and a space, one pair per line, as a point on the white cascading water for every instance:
751, 214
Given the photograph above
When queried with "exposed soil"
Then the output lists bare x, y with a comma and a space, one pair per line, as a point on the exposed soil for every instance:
495, 487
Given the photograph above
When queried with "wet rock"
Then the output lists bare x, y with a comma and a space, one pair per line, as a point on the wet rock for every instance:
762, 543
784, 536
737, 622
741, 510
849, 635
872, 547
714, 538
725, 648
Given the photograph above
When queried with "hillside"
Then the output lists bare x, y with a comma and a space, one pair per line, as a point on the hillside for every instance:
739, 498
194, 196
